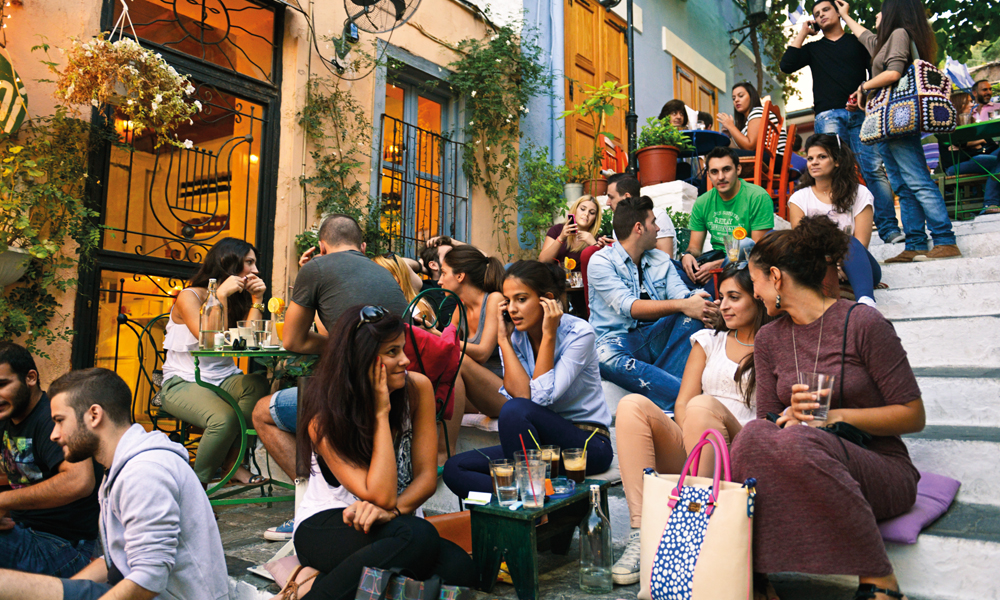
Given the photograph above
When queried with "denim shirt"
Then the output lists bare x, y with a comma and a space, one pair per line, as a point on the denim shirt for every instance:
572, 388
613, 281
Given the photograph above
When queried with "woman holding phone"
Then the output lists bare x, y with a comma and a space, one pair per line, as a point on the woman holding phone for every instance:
567, 240
551, 380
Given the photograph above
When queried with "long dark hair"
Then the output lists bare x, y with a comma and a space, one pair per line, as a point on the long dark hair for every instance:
804, 253
225, 259
339, 403
844, 179
740, 119
741, 275
483, 272
543, 278
911, 16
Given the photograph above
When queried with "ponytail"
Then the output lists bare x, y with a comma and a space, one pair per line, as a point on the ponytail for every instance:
483, 272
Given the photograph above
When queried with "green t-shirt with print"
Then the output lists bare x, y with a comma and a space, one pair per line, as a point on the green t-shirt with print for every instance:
751, 208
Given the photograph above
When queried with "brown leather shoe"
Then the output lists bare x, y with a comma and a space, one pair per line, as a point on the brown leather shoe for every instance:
905, 256
939, 252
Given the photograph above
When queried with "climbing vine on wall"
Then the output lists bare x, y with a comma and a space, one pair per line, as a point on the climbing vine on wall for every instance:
497, 76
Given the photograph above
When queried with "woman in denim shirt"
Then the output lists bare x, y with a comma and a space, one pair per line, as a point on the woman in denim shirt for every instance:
551, 378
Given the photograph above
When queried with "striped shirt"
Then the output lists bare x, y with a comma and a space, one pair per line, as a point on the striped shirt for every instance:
756, 113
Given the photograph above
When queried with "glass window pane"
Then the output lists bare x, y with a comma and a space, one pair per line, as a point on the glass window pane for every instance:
235, 34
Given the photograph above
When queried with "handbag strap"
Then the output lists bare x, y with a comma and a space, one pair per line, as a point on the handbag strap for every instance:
726, 465
843, 354
695, 454
914, 53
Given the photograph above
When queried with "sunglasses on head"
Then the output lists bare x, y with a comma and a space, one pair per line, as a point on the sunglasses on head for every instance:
371, 314
390, 255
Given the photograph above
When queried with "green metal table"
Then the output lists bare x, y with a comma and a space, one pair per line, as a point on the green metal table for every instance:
223, 498
499, 534
967, 133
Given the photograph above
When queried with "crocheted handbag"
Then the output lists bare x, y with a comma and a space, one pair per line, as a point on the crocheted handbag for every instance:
918, 102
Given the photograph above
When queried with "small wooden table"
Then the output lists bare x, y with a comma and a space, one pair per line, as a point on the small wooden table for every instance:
499, 534
222, 498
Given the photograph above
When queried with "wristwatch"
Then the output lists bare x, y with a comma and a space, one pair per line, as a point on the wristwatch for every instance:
258, 305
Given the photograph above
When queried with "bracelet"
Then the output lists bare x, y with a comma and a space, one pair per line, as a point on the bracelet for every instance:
258, 305
395, 509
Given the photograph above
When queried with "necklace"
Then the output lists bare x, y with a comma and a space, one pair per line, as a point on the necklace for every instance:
819, 342
736, 336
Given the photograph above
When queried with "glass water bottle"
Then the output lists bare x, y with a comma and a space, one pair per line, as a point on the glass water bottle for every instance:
213, 320
595, 548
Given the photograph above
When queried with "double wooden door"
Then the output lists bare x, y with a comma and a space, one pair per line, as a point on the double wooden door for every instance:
595, 53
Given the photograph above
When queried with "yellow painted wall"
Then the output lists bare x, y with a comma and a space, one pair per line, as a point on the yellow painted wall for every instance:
437, 25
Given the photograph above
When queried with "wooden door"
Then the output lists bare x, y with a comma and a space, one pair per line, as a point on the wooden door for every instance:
694, 90
595, 52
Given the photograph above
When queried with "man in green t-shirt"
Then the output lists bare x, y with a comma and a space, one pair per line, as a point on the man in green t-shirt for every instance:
731, 203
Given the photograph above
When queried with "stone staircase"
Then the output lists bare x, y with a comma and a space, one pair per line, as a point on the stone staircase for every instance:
947, 314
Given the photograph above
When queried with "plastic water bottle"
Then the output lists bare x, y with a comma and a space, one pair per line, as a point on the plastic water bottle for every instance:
595, 548
212, 324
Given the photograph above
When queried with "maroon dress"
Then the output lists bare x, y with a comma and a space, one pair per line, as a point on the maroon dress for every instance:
819, 496
564, 251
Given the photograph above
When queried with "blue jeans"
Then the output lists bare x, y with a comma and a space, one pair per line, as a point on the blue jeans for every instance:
649, 359
847, 125
746, 245
470, 471
285, 409
920, 200
862, 270
24, 549
979, 165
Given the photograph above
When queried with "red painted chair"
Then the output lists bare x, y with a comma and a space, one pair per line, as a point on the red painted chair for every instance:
784, 185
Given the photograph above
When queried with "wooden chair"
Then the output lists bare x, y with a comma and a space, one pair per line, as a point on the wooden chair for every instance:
784, 185
767, 146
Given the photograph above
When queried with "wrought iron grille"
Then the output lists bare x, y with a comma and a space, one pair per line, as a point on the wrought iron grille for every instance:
421, 190
234, 34
190, 197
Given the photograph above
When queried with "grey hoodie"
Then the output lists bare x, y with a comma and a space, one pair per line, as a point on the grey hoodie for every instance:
157, 526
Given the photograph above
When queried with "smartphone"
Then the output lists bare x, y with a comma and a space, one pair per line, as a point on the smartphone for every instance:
571, 219
813, 27
506, 317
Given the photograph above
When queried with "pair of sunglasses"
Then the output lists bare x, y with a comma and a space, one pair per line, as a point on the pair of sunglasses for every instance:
371, 314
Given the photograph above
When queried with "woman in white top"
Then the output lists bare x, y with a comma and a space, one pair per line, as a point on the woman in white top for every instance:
830, 187
233, 264
372, 447
745, 126
717, 392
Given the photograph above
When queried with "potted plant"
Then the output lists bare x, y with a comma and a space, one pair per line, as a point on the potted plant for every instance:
681, 221
599, 103
574, 175
658, 145
144, 88
46, 228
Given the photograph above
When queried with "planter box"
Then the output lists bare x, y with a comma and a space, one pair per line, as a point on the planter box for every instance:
595, 187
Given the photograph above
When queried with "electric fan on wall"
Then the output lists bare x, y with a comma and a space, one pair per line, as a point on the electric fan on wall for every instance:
379, 16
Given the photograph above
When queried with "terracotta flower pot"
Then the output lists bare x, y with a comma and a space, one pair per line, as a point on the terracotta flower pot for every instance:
657, 164
595, 187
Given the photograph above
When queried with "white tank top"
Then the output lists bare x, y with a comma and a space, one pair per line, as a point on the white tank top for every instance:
717, 378
179, 342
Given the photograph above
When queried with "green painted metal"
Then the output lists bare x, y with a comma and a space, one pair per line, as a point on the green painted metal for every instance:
966, 133
500, 534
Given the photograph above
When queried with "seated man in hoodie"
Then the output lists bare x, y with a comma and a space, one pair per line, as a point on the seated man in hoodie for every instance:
157, 530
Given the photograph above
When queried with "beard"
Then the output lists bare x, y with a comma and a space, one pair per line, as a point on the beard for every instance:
83, 444
19, 403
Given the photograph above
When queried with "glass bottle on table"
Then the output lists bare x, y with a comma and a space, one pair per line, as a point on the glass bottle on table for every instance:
595, 548
212, 323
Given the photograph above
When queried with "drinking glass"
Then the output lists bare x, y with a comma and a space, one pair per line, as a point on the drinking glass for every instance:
550, 454
531, 482
821, 386
245, 329
261, 332
732, 248
279, 327
532, 455
575, 463
504, 485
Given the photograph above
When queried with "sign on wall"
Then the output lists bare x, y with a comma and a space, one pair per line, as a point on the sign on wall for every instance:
13, 99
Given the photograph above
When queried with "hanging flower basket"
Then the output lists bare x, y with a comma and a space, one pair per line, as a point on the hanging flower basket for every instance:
146, 90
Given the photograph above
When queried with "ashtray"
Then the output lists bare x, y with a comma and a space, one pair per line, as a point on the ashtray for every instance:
562, 486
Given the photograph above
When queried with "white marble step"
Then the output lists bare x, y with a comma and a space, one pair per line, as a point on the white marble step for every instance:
968, 400
973, 244
963, 342
952, 299
955, 271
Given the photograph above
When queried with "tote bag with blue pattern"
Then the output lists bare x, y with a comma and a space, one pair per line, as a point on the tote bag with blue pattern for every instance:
695, 541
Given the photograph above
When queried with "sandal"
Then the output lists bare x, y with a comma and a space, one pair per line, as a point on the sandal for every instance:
867, 591
291, 589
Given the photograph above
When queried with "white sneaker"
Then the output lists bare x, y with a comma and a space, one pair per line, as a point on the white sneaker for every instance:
867, 300
626, 570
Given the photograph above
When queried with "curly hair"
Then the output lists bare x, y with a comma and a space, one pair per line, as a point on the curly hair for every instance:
844, 179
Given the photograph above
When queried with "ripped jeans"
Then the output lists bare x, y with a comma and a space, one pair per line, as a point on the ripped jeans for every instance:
649, 359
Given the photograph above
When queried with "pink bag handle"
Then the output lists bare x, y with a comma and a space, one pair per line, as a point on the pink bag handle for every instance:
718, 443
696, 453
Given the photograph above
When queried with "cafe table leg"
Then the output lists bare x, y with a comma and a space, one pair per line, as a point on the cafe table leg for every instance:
515, 541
